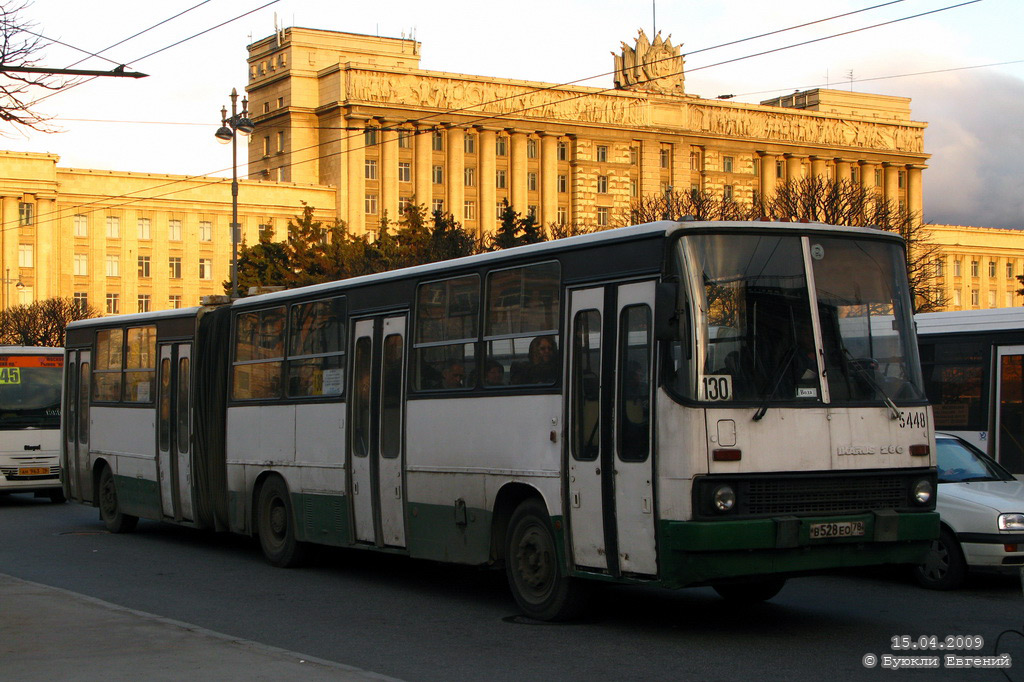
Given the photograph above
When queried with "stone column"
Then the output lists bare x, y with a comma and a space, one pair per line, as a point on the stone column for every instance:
915, 201
794, 167
9, 261
892, 182
867, 176
389, 170
356, 209
456, 163
818, 164
422, 156
767, 180
518, 168
47, 263
486, 180
843, 170
548, 178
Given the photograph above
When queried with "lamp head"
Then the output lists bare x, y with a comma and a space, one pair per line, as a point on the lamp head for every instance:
224, 135
245, 125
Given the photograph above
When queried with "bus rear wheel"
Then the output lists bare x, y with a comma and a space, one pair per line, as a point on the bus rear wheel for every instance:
275, 527
751, 592
113, 518
536, 577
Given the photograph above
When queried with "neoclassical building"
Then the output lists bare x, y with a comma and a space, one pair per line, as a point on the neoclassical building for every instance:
977, 267
356, 112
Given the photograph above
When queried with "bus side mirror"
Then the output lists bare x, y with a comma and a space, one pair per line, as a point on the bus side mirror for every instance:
666, 313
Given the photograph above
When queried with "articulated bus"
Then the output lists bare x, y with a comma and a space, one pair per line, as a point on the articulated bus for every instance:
30, 385
973, 363
675, 404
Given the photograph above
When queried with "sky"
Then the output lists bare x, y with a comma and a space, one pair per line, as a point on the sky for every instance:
963, 67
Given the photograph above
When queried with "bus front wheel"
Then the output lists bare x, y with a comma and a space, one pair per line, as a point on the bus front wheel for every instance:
275, 527
536, 577
113, 518
751, 592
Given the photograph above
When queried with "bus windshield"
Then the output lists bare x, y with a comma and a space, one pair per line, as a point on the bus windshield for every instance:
757, 338
30, 391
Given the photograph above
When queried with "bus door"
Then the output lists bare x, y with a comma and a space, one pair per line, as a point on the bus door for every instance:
77, 464
376, 448
174, 442
1009, 408
611, 475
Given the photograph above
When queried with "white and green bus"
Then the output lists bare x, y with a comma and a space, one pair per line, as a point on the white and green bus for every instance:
673, 404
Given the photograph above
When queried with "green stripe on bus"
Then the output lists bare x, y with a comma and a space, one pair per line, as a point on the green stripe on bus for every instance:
322, 518
138, 497
442, 533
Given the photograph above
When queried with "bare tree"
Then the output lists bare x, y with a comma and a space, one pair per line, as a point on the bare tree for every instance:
42, 323
20, 47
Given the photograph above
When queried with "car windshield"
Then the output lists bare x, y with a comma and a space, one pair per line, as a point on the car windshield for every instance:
959, 462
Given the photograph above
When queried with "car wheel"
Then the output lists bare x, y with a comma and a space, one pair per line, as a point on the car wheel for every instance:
945, 567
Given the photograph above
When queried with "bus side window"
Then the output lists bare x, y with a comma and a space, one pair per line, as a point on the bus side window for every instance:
521, 323
447, 329
634, 374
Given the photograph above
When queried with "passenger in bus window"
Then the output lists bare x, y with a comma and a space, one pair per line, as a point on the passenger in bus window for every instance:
494, 373
543, 365
453, 375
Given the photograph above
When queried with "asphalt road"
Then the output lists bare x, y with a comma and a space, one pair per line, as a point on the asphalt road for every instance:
420, 621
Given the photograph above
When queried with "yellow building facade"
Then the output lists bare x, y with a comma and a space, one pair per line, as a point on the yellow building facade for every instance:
977, 267
356, 112
128, 242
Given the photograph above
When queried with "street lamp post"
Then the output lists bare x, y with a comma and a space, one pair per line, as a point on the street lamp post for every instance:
238, 122
7, 282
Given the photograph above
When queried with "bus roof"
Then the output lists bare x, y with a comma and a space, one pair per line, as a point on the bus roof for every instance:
30, 350
970, 321
133, 317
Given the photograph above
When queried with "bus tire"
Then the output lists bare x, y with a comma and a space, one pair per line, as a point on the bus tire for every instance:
535, 576
945, 567
750, 592
275, 527
113, 518
57, 496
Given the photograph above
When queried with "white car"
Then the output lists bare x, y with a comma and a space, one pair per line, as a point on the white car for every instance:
981, 507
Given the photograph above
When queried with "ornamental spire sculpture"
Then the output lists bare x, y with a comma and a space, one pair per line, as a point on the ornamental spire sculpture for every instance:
650, 66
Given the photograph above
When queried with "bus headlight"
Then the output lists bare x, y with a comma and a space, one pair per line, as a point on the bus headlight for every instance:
1011, 522
923, 492
724, 498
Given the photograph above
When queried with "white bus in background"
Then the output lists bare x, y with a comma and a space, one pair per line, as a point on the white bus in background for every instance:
973, 365
668, 404
30, 394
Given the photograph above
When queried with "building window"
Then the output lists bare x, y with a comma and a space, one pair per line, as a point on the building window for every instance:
634, 156
501, 145
174, 301
143, 303
974, 268
634, 189
437, 206
438, 175
403, 204
602, 184
956, 267
143, 266
991, 268
602, 216
174, 263
500, 179
991, 299
602, 153
974, 297
144, 228
940, 268
205, 231
25, 255
956, 298
371, 203
1009, 299
727, 192
280, 100
1009, 269
469, 143
854, 174
563, 151
370, 169
25, 213
370, 137
81, 262
81, 226
666, 156
531, 210
727, 164
878, 177
901, 179
469, 210
113, 265
266, 230
113, 304
437, 141
469, 176
531, 182
780, 170
81, 300
280, 141
563, 215
563, 183
404, 139
113, 227
174, 230
757, 166
404, 171
205, 268
531, 148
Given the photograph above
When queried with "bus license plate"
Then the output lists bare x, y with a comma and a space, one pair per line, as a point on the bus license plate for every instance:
837, 529
33, 471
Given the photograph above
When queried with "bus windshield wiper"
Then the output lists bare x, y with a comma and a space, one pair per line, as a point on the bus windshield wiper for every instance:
775, 380
893, 410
